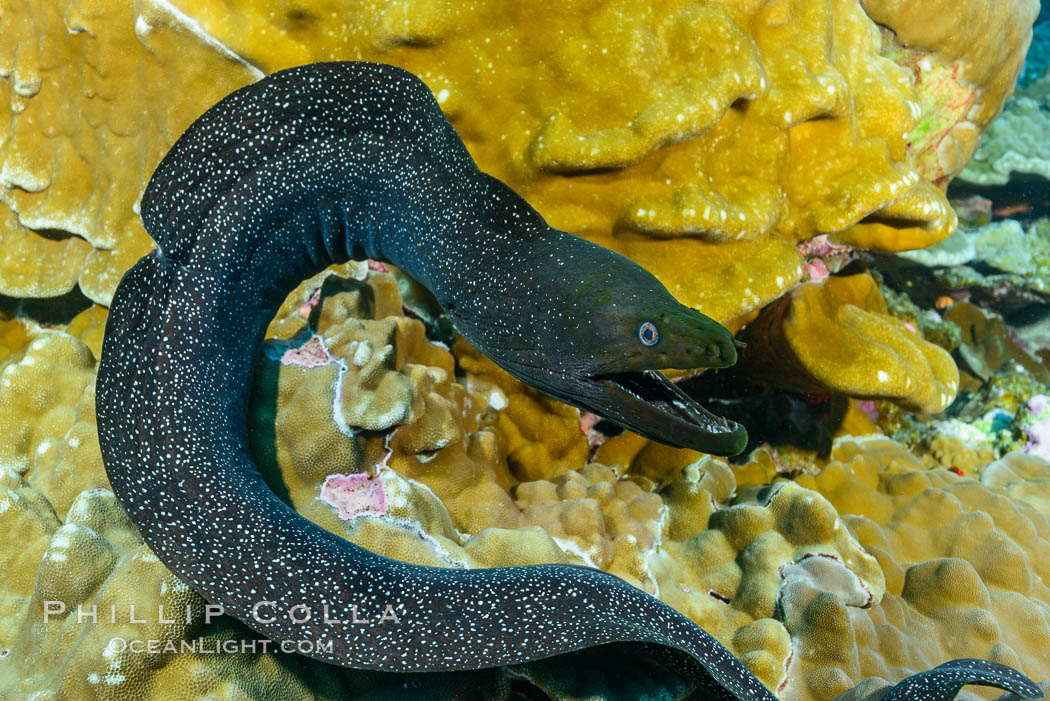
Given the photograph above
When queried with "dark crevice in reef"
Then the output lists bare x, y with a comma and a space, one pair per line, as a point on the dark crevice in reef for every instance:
893, 222
55, 234
262, 433
46, 311
772, 415
1024, 198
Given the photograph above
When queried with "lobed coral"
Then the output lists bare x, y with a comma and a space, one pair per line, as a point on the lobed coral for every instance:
814, 583
864, 352
964, 566
652, 165
47, 411
705, 140
95, 94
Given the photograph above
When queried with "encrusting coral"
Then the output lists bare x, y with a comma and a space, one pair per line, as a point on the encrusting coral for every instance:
47, 411
732, 132
963, 75
1015, 145
965, 566
94, 96
656, 160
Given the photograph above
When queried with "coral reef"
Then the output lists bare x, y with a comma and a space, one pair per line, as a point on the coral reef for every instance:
94, 96
815, 583
1016, 144
1004, 263
736, 150
651, 158
47, 411
966, 73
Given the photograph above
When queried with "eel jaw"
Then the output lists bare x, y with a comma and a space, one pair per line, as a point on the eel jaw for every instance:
649, 404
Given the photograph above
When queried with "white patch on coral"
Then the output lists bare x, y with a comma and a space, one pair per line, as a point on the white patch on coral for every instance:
572, 548
826, 574
497, 400
363, 354
165, 8
142, 27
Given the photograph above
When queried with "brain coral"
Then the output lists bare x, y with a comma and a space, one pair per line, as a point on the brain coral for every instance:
731, 130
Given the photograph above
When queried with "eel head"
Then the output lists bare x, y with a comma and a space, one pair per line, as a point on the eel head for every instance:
627, 386
597, 334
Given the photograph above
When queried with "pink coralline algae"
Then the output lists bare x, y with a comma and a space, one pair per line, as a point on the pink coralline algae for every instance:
588, 421
312, 354
1038, 431
354, 495
823, 257
308, 306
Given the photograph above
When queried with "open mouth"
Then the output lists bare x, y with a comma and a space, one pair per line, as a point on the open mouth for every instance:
649, 404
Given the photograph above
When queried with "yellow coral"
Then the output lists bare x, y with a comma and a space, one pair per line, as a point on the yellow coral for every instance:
543, 436
1024, 477
950, 452
984, 41
604, 521
837, 335
97, 94
718, 134
965, 565
78, 593
363, 367
47, 411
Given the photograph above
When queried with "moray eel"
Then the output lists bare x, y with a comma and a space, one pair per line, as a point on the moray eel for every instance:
327, 162
946, 680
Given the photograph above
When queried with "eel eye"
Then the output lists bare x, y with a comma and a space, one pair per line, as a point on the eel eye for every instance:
647, 333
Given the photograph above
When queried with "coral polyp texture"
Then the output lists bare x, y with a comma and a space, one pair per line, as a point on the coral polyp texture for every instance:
668, 131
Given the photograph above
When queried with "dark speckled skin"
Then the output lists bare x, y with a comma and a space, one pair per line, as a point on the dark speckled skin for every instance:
944, 681
319, 164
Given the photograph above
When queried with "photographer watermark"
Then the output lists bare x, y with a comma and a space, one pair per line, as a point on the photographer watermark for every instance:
214, 647
262, 612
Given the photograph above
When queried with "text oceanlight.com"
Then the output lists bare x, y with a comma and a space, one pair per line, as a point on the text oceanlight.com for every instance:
214, 647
